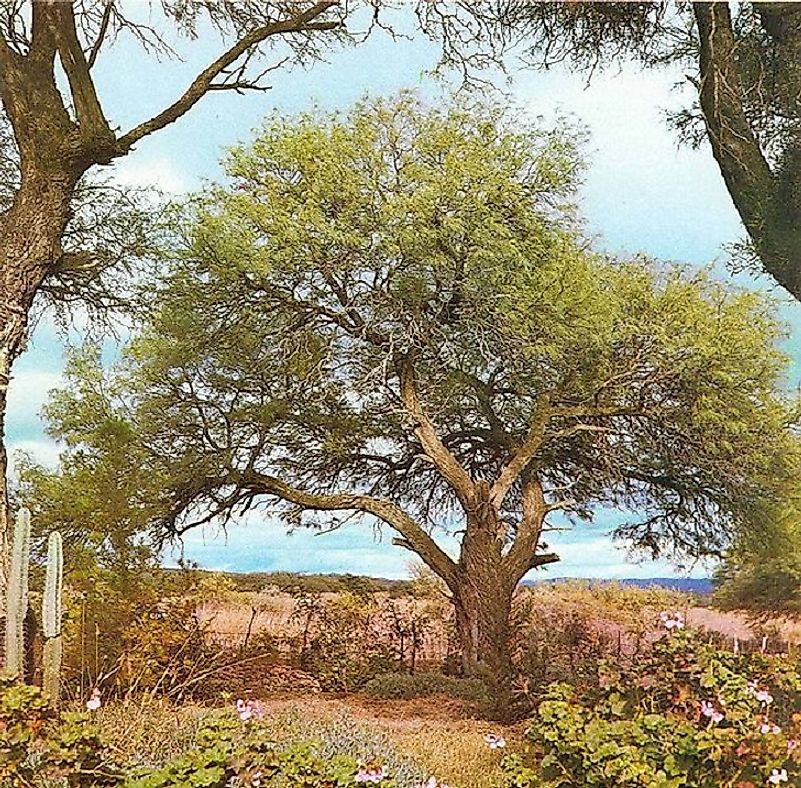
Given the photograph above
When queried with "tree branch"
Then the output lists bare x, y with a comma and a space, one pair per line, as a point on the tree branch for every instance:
745, 170
414, 537
101, 33
450, 468
93, 125
203, 82
524, 549
523, 456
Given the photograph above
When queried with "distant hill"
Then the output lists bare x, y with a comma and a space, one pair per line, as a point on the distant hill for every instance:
690, 585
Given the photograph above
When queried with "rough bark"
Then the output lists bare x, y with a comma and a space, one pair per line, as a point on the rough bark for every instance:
771, 215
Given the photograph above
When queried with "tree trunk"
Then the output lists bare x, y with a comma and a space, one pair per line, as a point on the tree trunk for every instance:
483, 612
30, 236
482, 597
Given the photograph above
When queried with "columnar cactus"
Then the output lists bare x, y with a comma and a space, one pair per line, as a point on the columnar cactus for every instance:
17, 594
51, 617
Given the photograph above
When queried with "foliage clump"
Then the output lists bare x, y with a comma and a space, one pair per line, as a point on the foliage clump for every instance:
687, 714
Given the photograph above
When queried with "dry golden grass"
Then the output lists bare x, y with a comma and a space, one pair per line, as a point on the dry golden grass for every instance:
435, 732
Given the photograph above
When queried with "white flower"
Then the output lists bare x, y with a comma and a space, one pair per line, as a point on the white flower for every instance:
778, 776
495, 741
94, 703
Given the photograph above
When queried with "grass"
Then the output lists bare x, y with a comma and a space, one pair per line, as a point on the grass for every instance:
415, 739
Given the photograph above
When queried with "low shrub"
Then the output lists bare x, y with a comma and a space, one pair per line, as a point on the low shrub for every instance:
687, 714
405, 686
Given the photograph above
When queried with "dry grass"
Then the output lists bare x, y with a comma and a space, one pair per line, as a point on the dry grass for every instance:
435, 733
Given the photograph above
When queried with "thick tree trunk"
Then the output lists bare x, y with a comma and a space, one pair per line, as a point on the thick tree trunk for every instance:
30, 236
483, 610
482, 597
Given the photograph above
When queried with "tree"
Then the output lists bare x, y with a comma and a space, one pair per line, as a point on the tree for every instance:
744, 62
59, 136
392, 316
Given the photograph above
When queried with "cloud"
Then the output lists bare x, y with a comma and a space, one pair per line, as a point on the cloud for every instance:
152, 170
44, 452
27, 393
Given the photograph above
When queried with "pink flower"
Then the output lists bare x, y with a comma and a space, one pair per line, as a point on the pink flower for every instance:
792, 744
766, 728
495, 741
763, 696
708, 710
248, 709
778, 776
94, 703
370, 775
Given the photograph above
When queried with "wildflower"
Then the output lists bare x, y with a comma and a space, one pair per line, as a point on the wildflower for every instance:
778, 776
494, 741
365, 775
792, 744
248, 709
432, 782
766, 728
670, 622
94, 703
763, 696
708, 710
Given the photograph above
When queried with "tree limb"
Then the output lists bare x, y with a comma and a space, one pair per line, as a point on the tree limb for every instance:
203, 82
101, 33
93, 125
450, 468
414, 537
745, 170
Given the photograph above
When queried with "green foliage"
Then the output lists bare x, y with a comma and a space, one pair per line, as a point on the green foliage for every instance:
644, 723
345, 246
37, 744
224, 752
17, 593
405, 686
341, 643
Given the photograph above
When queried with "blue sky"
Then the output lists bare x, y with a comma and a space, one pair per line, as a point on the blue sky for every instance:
642, 194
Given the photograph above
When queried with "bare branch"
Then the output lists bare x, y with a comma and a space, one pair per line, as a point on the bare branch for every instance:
450, 468
413, 535
101, 33
201, 85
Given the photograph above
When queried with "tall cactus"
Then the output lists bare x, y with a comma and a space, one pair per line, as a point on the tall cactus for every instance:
51, 617
17, 594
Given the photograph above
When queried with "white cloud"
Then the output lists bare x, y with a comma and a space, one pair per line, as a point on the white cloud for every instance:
27, 393
153, 170
44, 452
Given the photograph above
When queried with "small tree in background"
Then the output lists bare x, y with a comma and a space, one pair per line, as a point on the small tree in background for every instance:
392, 316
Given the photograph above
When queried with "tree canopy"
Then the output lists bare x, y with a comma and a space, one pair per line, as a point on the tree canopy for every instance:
393, 314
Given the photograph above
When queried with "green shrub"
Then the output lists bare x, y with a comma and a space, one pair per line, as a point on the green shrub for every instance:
685, 715
38, 745
405, 686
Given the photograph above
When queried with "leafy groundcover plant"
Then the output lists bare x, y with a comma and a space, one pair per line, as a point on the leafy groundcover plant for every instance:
688, 714
40, 748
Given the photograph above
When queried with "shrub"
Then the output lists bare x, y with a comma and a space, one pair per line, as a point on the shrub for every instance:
37, 744
342, 644
405, 686
685, 715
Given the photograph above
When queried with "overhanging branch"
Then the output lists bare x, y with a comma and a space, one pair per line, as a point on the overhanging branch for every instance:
203, 82
414, 537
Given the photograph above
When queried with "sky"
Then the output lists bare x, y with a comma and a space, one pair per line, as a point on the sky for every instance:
642, 194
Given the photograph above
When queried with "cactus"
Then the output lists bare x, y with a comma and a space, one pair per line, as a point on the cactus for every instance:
17, 594
51, 618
